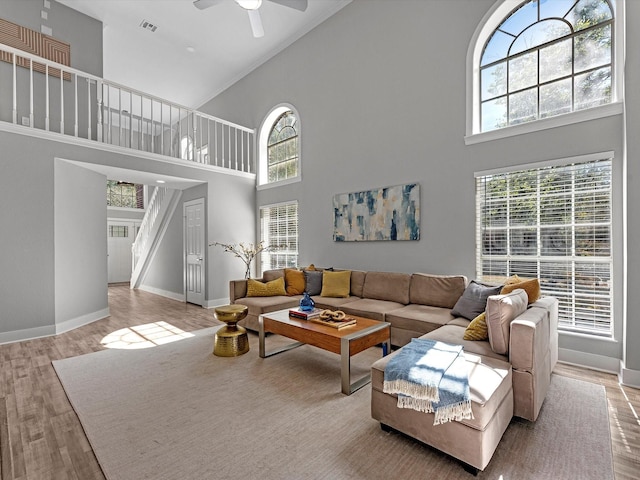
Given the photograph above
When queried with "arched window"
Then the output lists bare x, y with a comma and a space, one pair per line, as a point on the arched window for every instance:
280, 146
542, 59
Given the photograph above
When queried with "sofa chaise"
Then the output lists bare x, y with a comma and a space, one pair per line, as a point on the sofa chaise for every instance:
510, 371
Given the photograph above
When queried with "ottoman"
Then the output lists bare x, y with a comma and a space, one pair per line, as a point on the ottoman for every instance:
470, 441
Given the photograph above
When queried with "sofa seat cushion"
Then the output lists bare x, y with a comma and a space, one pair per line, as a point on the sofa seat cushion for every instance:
370, 308
489, 383
333, 303
419, 318
259, 305
454, 334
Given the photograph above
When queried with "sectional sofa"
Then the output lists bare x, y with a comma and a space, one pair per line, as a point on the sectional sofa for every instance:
510, 371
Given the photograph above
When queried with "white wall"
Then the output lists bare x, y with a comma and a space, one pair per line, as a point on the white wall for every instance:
380, 89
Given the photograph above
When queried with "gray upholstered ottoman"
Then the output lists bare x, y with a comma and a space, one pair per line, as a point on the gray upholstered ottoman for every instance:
471, 441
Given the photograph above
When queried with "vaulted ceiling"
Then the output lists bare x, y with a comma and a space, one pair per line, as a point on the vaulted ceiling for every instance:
193, 54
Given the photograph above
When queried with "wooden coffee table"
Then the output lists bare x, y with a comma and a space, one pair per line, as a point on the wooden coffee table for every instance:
346, 341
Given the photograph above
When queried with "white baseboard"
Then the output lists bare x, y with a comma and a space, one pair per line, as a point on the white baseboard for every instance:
589, 360
27, 334
216, 302
72, 323
629, 377
163, 293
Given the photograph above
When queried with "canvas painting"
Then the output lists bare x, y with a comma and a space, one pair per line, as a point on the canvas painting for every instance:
390, 213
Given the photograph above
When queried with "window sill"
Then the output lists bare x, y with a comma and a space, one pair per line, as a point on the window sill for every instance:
281, 183
601, 338
603, 111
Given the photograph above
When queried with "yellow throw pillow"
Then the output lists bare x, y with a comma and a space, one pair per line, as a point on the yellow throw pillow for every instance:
532, 287
477, 329
256, 288
336, 284
294, 281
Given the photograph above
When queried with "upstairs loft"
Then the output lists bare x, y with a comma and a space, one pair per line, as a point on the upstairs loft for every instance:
53, 99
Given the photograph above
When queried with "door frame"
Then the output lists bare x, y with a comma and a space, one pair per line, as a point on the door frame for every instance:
185, 205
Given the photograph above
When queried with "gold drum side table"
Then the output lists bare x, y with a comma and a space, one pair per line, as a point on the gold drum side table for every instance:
231, 340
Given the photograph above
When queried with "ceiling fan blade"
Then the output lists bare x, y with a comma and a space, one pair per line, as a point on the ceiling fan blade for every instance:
256, 23
297, 4
202, 4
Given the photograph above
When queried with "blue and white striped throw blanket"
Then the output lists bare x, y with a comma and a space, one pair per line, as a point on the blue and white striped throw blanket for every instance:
430, 376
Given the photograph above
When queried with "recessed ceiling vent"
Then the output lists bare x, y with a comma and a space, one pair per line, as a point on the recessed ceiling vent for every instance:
148, 26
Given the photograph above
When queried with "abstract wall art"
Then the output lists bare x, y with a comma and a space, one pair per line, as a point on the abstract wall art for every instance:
389, 213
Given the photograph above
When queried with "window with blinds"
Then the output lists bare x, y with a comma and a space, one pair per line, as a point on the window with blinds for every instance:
554, 224
279, 226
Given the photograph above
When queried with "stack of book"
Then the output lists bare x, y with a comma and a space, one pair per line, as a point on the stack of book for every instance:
305, 315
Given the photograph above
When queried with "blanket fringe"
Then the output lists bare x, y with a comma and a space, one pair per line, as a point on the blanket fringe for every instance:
417, 391
455, 412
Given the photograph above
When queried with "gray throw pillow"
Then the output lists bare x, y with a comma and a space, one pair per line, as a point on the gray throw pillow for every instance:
474, 300
313, 281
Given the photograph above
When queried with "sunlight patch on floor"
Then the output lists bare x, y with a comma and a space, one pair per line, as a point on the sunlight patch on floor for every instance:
144, 336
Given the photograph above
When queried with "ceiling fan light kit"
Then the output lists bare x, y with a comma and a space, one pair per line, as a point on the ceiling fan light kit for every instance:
252, 7
249, 4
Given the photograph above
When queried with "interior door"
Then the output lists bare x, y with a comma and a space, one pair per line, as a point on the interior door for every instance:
120, 237
194, 245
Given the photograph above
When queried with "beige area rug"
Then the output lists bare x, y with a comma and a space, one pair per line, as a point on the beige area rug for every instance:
177, 412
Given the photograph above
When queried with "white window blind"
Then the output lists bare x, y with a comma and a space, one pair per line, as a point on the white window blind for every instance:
551, 223
279, 227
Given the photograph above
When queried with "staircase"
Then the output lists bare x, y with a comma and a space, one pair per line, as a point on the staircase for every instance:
161, 206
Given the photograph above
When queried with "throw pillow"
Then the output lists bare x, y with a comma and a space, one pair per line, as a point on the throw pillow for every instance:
256, 288
336, 284
313, 280
294, 281
474, 300
532, 287
501, 311
477, 329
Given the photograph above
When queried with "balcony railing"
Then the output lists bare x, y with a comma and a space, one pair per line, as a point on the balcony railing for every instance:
41, 94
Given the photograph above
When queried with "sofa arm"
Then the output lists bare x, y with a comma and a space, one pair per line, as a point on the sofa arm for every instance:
533, 350
237, 289
533, 334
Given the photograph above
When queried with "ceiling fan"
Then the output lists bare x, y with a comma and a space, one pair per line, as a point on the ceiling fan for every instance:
252, 6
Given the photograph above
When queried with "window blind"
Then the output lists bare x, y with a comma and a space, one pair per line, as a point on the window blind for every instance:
279, 226
552, 223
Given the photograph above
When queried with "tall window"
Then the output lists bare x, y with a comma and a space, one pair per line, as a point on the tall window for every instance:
125, 194
547, 58
282, 148
552, 223
279, 146
279, 226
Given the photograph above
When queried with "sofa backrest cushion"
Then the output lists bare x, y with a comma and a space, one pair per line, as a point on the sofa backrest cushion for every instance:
501, 311
357, 282
393, 287
269, 275
436, 290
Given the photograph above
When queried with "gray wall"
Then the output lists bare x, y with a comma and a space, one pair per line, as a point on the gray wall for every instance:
631, 374
80, 256
33, 303
382, 102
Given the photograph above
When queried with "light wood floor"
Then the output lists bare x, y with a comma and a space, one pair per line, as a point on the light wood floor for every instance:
41, 437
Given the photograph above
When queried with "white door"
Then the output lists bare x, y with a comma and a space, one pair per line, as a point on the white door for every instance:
194, 250
120, 237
